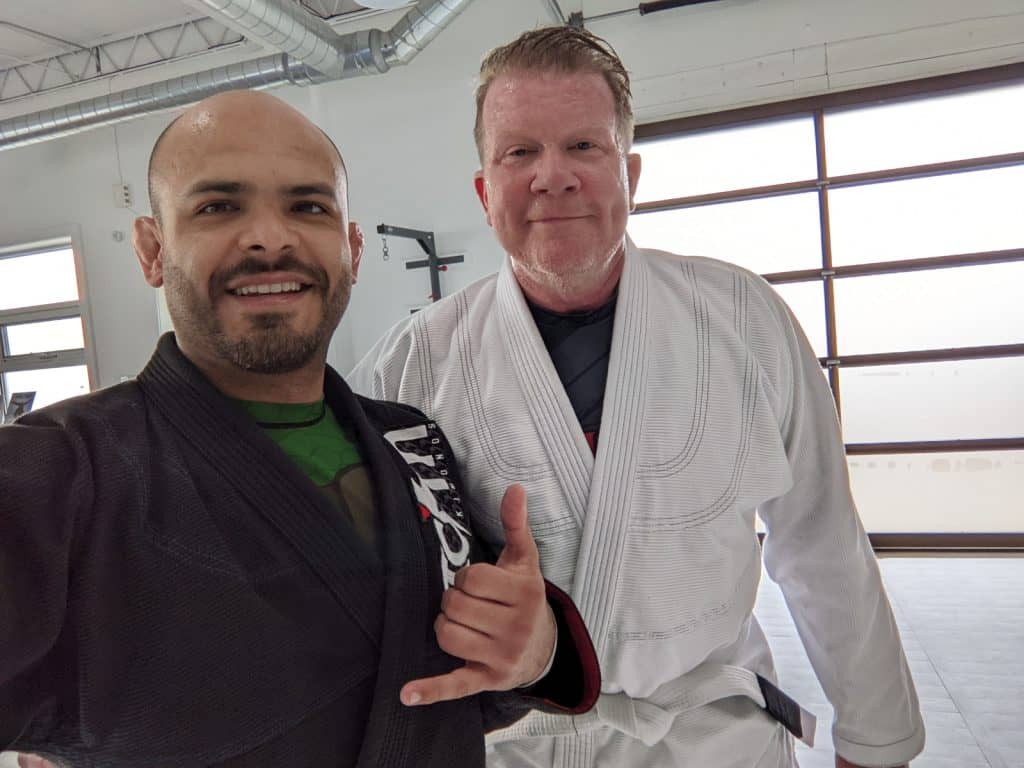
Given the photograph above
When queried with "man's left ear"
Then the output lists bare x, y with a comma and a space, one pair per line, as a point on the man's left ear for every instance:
356, 242
633, 174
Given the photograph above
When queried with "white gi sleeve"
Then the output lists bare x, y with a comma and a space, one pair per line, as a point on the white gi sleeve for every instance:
818, 553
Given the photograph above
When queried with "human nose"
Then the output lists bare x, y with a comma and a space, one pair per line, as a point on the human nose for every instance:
266, 231
554, 174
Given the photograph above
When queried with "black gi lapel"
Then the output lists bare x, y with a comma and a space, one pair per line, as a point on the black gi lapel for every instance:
390, 737
278, 489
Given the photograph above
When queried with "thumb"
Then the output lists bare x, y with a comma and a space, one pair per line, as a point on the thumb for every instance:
520, 548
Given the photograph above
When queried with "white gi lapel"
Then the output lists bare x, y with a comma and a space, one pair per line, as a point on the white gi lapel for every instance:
618, 452
552, 414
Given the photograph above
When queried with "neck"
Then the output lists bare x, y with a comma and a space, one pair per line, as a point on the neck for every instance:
566, 295
303, 385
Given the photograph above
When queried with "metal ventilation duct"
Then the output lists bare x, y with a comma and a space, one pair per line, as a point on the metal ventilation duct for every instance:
311, 53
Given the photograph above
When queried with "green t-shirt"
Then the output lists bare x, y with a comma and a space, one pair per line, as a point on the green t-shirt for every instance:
325, 451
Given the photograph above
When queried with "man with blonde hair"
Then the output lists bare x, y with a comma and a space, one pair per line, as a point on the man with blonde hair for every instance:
651, 404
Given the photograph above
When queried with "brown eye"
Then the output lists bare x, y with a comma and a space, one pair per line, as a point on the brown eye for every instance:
211, 208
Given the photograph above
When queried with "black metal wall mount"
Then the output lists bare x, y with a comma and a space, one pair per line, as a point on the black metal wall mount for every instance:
436, 265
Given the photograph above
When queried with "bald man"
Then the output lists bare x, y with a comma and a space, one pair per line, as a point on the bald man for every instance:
232, 560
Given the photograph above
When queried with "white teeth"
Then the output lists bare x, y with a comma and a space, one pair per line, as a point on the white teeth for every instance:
248, 290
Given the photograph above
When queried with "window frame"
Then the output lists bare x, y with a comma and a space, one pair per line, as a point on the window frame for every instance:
62, 238
833, 362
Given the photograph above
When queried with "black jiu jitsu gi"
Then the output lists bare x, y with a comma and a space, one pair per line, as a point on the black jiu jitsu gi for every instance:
174, 591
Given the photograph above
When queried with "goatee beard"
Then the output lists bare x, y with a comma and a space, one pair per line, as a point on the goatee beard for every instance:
272, 347
269, 345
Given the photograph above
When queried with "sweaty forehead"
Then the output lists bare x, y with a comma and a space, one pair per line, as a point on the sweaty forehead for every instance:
536, 98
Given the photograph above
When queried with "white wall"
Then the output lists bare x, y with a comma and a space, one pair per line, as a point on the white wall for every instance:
407, 135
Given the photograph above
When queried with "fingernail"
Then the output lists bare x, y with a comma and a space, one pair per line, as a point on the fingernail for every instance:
413, 699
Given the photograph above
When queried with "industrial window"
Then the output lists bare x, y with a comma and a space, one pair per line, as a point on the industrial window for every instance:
42, 338
889, 219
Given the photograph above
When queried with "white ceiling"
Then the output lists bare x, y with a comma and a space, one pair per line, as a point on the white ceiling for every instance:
87, 23
82, 22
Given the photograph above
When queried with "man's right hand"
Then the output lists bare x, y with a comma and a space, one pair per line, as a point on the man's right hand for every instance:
495, 617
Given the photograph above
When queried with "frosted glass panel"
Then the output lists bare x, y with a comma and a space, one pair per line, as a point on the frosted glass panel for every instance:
50, 384
807, 300
954, 127
29, 338
933, 309
940, 492
775, 234
961, 213
957, 400
730, 158
38, 278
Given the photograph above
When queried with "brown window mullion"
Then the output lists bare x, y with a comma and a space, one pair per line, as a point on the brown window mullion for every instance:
950, 354
831, 338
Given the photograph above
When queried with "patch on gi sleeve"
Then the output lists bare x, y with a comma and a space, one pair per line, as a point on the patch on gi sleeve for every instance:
436, 494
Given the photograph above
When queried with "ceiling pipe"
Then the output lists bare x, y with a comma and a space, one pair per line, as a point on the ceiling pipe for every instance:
366, 52
283, 26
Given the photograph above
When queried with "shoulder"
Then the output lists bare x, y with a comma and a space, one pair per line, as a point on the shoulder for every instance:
108, 406
450, 311
721, 281
404, 355
712, 270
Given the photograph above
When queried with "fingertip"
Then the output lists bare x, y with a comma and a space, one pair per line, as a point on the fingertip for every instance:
410, 696
513, 508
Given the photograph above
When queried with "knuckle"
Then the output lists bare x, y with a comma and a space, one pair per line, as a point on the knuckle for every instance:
445, 633
462, 688
455, 602
471, 579
535, 588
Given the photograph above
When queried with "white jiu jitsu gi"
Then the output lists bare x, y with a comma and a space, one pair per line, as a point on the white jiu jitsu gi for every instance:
715, 407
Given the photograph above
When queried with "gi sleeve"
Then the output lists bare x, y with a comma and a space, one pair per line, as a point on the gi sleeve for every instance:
817, 551
44, 486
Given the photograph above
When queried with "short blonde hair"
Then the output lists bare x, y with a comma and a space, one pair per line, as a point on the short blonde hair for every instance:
562, 50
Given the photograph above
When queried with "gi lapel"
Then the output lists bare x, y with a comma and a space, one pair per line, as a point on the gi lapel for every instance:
408, 611
550, 410
256, 470
618, 452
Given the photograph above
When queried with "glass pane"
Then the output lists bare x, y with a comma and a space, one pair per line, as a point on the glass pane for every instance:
38, 278
933, 309
921, 131
730, 158
29, 338
936, 216
957, 400
940, 492
774, 234
807, 300
50, 385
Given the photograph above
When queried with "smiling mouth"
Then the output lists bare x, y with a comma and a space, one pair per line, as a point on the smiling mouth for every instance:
266, 289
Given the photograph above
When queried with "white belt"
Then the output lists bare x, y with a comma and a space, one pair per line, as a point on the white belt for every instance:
649, 719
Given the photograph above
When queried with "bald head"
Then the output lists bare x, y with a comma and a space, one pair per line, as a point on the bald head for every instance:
222, 121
